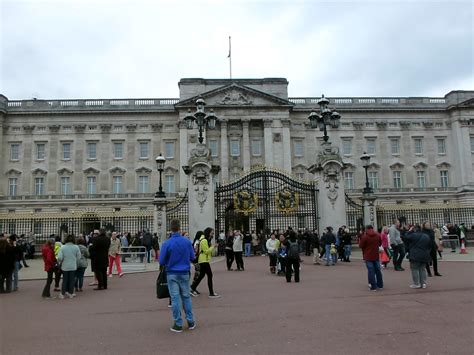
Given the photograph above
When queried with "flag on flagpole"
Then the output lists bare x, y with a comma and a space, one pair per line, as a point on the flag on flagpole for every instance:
229, 48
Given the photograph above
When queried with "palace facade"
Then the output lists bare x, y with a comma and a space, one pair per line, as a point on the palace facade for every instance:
71, 155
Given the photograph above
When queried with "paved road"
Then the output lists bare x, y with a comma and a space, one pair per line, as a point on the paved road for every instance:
331, 311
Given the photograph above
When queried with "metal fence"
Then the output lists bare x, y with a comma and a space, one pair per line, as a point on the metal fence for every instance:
179, 209
354, 214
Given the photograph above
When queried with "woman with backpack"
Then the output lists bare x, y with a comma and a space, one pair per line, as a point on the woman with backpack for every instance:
229, 251
196, 246
293, 258
204, 255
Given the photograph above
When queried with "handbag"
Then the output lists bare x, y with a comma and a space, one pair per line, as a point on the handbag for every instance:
162, 285
384, 257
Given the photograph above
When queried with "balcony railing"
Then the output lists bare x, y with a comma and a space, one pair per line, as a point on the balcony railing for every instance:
123, 196
405, 189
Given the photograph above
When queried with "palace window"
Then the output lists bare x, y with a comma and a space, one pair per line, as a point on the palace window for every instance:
12, 186
143, 184
298, 145
117, 184
15, 151
65, 185
235, 148
373, 179
213, 147
418, 146
256, 147
349, 180
169, 150
441, 142
66, 151
40, 151
91, 185
91, 150
443, 174
472, 144
395, 146
169, 184
420, 179
371, 148
118, 150
39, 186
144, 150
347, 146
397, 179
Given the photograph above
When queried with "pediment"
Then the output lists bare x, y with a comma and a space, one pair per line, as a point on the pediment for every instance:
65, 171
397, 165
91, 171
467, 103
443, 164
143, 170
13, 172
170, 169
420, 165
39, 171
300, 167
374, 165
117, 170
233, 95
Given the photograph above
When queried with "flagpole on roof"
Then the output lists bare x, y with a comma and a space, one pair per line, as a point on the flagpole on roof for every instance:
230, 58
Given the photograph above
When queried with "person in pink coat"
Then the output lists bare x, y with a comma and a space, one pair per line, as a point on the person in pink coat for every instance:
385, 245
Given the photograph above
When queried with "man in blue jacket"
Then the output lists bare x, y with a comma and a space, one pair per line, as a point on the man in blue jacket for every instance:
176, 256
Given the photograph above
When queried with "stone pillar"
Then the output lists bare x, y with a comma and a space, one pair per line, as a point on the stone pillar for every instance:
4, 148
370, 214
246, 144
224, 151
331, 200
286, 145
268, 142
183, 154
201, 185
159, 218
462, 150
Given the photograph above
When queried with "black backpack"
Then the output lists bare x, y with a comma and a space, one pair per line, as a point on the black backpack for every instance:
293, 250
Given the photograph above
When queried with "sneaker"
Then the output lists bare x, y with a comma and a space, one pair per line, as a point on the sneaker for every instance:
73, 295
214, 295
415, 286
56, 289
191, 325
197, 292
121, 274
111, 275
176, 328
194, 293
423, 286
61, 296
169, 306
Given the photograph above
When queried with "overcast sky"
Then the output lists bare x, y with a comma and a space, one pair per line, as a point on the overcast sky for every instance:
141, 49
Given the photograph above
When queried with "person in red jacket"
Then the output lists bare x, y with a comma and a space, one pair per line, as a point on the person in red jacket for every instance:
370, 243
49, 265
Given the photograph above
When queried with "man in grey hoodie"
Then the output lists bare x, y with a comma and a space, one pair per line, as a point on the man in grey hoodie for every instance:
397, 245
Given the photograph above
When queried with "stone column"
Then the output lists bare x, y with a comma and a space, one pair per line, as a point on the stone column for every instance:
462, 146
331, 200
224, 151
5, 149
201, 185
370, 214
159, 218
246, 144
183, 154
286, 145
268, 142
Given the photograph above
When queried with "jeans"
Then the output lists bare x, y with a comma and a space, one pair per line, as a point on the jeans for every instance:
115, 259
418, 272
178, 286
347, 251
330, 258
69, 277
15, 276
273, 259
374, 274
49, 281
247, 249
79, 277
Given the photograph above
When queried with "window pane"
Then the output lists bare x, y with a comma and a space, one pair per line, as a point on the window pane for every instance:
66, 151
418, 146
441, 146
91, 150
347, 146
235, 148
12, 186
373, 179
298, 148
91, 185
15, 151
472, 144
349, 180
117, 188
397, 179
118, 150
39, 186
371, 146
213, 147
169, 150
40, 151
420, 178
65, 185
169, 184
256, 147
444, 178
143, 150
395, 146
143, 184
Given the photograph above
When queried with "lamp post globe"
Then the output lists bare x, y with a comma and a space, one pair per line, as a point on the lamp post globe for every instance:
201, 118
326, 117
160, 165
365, 163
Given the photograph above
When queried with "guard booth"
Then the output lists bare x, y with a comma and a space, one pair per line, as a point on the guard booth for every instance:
264, 200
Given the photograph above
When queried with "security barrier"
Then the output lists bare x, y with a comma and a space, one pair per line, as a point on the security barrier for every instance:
133, 259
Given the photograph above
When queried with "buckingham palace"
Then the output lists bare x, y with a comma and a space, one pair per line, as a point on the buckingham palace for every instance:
95, 156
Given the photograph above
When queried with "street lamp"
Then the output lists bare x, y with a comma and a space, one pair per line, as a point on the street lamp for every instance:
365, 163
325, 117
202, 119
160, 165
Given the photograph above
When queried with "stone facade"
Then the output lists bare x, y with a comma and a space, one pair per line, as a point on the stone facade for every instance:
87, 153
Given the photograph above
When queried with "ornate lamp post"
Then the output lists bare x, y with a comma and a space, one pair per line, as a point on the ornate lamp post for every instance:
202, 119
325, 118
365, 163
160, 164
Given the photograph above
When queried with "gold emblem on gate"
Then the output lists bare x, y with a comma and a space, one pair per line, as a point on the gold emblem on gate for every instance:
245, 202
286, 200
